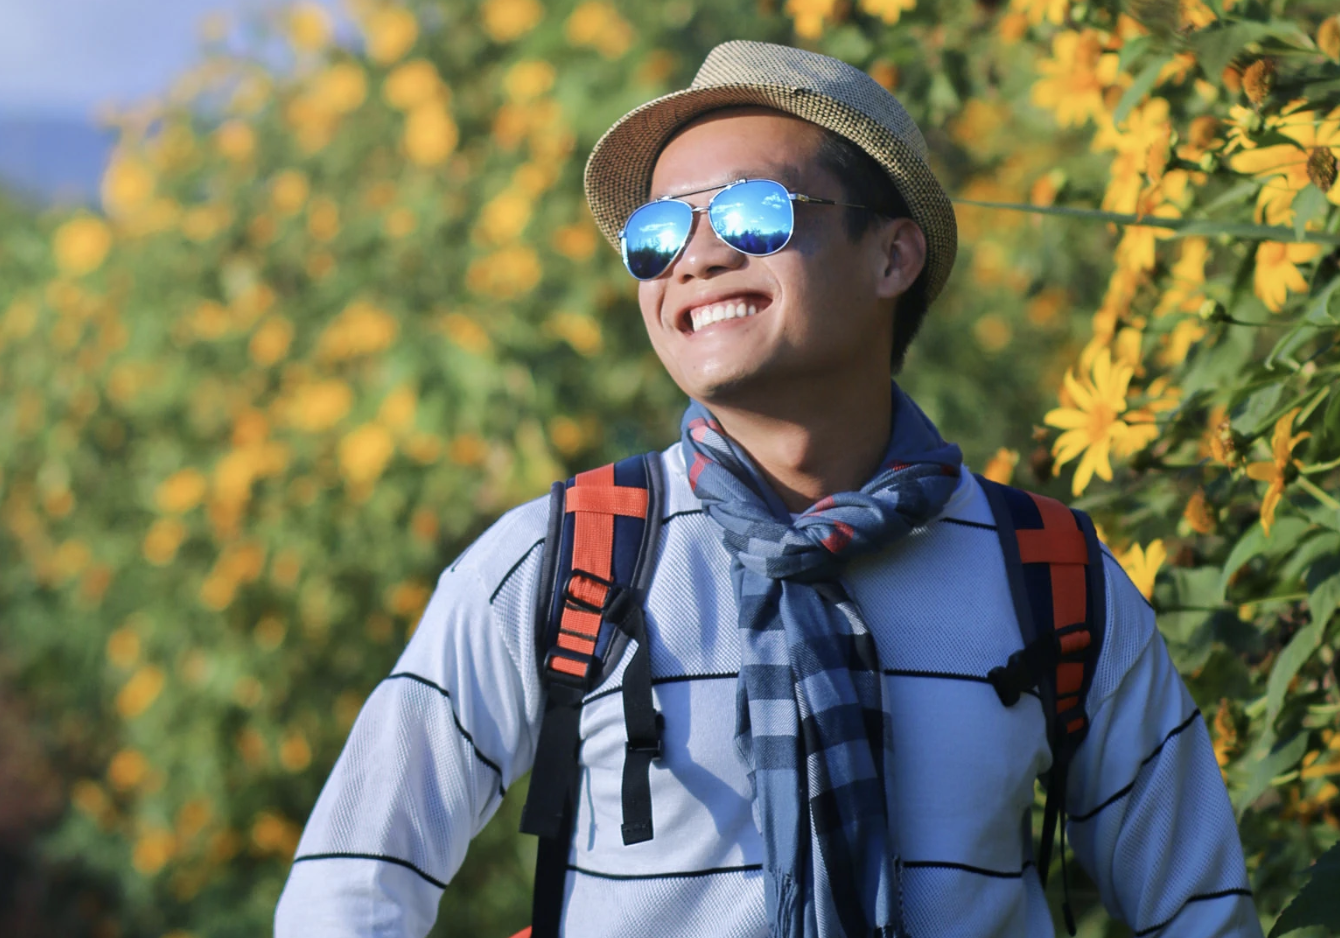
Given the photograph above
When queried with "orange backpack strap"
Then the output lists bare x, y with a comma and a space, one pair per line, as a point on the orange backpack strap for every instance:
1054, 565
599, 555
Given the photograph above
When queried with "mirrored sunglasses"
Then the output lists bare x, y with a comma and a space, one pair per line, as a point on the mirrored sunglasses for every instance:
754, 216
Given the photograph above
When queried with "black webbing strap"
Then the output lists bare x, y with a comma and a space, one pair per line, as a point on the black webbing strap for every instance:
643, 725
550, 805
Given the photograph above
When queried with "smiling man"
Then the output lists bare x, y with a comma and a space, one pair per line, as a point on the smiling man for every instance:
826, 619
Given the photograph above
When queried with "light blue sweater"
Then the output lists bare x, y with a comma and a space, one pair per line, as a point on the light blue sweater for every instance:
442, 738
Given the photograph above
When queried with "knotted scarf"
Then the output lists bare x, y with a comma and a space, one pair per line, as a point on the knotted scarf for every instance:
810, 719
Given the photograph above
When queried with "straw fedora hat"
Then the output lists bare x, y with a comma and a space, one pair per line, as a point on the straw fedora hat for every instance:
817, 88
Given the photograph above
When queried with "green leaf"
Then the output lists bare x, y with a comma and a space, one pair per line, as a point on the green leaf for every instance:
1215, 47
1323, 589
1260, 406
1317, 903
1320, 514
1308, 204
1144, 82
1287, 665
1279, 759
1284, 534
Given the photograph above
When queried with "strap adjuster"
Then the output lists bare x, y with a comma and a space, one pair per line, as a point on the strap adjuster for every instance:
585, 605
651, 747
566, 678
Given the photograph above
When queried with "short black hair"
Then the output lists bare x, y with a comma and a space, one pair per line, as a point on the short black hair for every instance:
865, 182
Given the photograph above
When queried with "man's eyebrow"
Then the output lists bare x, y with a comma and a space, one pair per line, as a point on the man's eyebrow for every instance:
786, 174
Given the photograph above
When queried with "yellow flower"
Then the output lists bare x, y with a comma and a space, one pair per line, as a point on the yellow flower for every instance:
364, 453
1198, 515
1039, 11
123, 647
319, 406
140, 691
361, 329
161, 542
599, 26
504, 217
1092, 421
397, 410
1142, 565
390, 32
309, 27
505, 274
575, 242
430, 134
153, 849
407, 599
1284, 167
1075, 77
203, 222
1328, 37
992, 332
412, 84
323, 219
181, 491
1184, 294
526, 81
294, 752
81, 245
578, 330
1276, 271
127, 185
466, 333
1000, 467
288, 191
270, 342
127, 769
1282, 444
467, 449
236, 141
399, 223
272, 833
340, 89
506, 20
890, 11
811, 15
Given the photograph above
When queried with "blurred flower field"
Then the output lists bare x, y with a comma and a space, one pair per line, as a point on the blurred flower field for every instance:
332, 318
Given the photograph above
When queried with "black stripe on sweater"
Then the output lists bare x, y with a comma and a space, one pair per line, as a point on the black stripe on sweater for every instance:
1123, 792
418, 679
715, 871
965, 868
1202, 897
381, 858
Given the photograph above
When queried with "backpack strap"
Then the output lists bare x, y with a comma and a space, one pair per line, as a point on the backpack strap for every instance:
1054, 566
598, 558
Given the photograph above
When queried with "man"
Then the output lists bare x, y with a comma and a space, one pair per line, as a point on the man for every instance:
817, 528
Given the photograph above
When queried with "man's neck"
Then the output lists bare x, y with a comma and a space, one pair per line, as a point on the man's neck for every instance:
811, 445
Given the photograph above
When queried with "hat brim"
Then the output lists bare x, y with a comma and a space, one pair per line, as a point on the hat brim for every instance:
619, 170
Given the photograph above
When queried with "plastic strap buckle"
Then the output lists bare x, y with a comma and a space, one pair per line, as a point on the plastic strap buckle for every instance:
558, 676
651, 747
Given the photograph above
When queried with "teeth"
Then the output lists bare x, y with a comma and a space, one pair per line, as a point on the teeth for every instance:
708, 315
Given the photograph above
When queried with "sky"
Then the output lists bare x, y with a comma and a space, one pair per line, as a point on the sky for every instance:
68, 57
64, 62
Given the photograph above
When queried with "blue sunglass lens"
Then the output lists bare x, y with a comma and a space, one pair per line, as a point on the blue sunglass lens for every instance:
753, 217
653, 236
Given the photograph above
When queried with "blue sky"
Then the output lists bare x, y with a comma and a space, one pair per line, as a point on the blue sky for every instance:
67, 57
63, 61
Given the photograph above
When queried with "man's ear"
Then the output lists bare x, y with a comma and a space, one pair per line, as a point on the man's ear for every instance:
902, 254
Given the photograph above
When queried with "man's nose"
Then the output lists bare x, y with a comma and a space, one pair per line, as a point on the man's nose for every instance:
705, 255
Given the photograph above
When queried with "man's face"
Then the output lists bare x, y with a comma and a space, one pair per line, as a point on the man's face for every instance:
823, 302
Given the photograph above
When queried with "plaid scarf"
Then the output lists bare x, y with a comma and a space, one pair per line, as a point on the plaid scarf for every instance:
810, 720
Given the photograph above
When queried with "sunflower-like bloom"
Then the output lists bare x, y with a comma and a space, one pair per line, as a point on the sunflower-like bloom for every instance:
1284, 167
1277, 273
1282, 444
1142, 565
1093, 423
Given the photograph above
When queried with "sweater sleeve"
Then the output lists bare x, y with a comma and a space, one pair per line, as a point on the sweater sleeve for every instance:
1150, 818
425, 766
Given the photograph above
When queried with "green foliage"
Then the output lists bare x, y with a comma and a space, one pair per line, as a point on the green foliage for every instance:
333, 321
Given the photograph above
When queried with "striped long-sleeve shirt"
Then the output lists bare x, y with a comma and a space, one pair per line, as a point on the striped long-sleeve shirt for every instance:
440, 740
